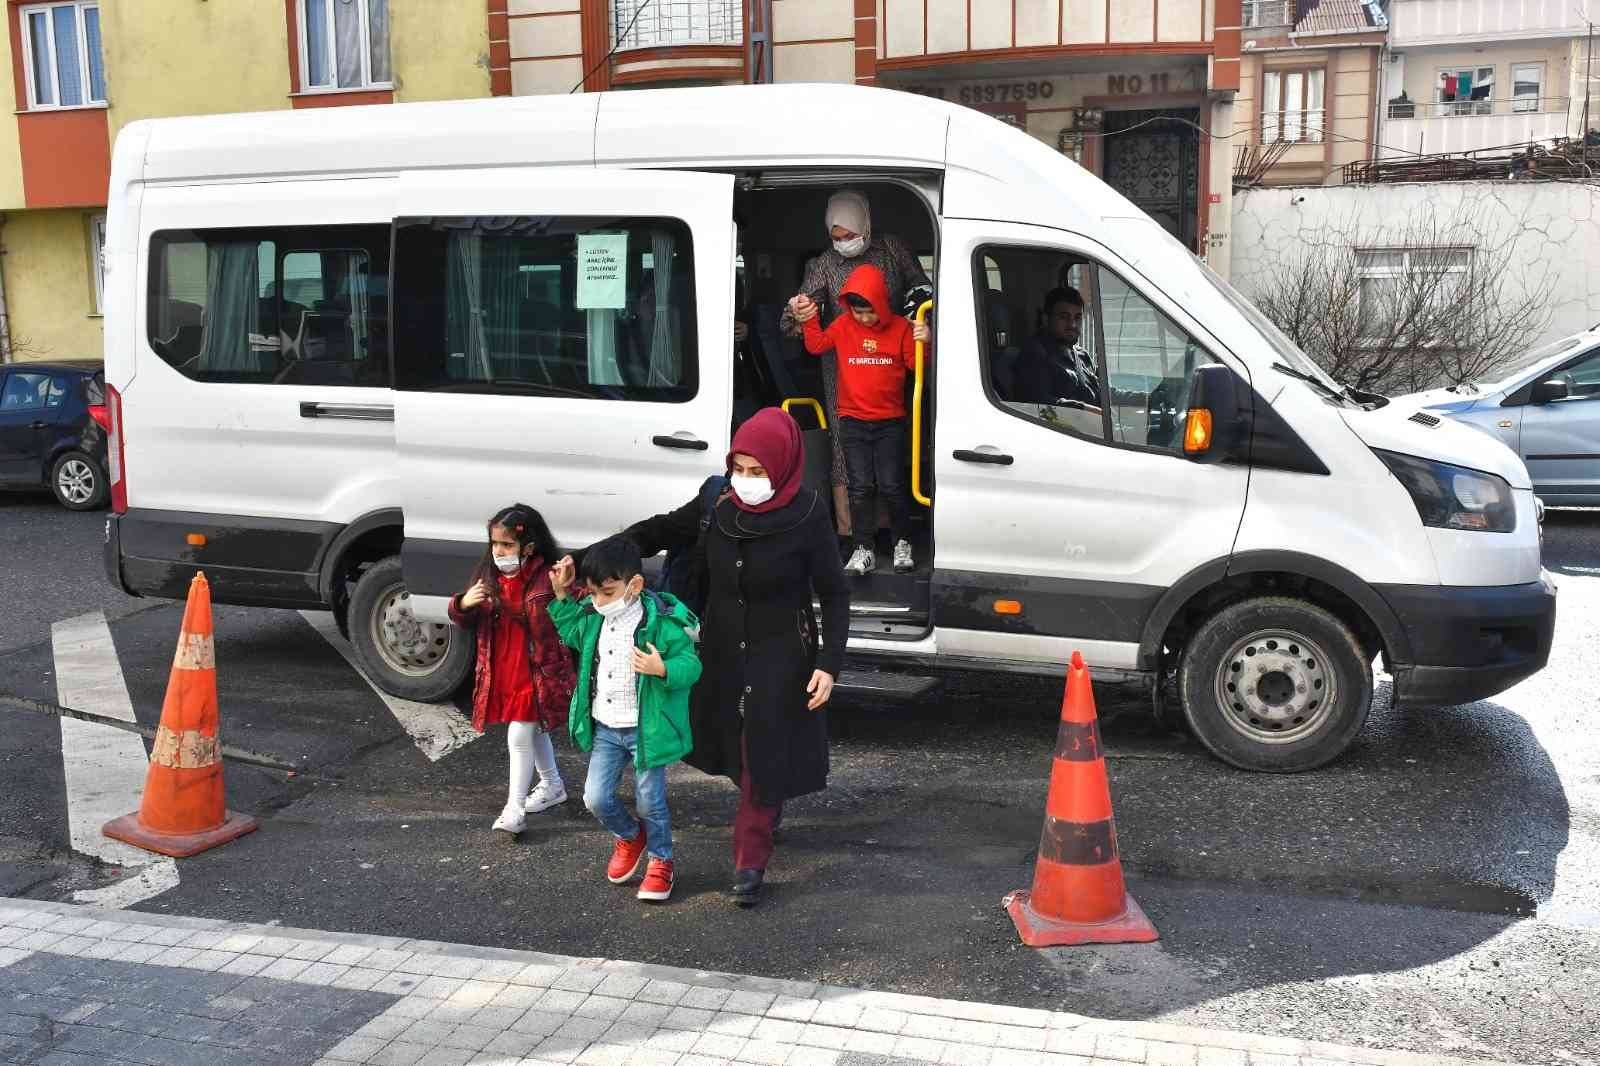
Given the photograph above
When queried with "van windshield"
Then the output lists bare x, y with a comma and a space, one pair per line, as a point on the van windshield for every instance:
1287, 351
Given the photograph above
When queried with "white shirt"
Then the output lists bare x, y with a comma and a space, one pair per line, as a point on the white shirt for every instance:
616, 686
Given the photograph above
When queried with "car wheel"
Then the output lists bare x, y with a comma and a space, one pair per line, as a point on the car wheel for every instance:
78, 482
1275, 684
404, 656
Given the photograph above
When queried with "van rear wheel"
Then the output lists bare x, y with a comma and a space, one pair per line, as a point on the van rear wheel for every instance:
404, 656
1276, 685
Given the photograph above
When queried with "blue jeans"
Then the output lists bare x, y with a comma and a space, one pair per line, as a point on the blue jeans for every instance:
613, 752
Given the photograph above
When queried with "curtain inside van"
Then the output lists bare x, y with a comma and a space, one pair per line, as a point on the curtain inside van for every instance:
666, 360
232, 289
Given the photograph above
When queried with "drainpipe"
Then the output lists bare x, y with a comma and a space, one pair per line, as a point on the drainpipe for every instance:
5, 315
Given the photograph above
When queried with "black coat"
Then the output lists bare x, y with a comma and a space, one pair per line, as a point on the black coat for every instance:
759, 638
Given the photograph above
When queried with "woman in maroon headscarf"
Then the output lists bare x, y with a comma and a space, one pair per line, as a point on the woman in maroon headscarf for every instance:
764, 553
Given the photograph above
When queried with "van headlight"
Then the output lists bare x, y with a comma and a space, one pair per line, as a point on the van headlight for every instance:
1454, 497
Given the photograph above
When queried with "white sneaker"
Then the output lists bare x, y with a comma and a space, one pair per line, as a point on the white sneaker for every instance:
863, 562
903, 563
543, 797
510, 821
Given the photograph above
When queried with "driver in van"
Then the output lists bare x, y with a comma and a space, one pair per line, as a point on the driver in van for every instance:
1054, 368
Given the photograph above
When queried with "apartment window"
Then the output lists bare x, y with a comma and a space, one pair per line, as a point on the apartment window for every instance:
1466, 91
1292, 106
344, 44
582, 308
300, 305
97, 260
1268, 13
662, 23
61, 56
1395, 283
1527, 85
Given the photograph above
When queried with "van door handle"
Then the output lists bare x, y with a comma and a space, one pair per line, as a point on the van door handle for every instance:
684, 444
992, 458
359, 412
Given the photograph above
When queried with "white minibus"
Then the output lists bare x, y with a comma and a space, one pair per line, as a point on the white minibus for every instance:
337, 340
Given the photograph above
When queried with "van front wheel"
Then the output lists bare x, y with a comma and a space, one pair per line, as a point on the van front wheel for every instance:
1275, 684
404, 656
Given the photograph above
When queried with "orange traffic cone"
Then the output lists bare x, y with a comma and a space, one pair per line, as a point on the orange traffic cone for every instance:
182, 811
1078, 893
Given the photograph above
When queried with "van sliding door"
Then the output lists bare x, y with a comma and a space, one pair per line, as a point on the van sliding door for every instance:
563, 339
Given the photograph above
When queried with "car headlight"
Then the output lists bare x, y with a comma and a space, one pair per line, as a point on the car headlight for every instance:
1454, 497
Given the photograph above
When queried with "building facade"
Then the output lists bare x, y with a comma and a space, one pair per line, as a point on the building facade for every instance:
1476, 75
1139, 91
83, 69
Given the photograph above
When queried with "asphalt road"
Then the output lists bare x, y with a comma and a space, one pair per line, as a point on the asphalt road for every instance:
1434, 890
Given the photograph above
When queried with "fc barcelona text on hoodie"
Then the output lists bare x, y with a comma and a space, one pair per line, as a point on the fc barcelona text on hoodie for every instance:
873, 360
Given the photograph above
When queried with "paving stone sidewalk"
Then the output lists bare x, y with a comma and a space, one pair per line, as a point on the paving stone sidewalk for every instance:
87, 987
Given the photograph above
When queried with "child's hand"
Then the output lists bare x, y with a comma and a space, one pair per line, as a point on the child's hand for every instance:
649, 665
803, 307
921, 333
474, 596
561, 576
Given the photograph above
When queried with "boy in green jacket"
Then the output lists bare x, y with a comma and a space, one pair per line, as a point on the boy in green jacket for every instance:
636, 665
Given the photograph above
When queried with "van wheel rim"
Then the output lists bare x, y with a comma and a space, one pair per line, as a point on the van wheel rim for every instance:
408, 646
1276, 687
75, 481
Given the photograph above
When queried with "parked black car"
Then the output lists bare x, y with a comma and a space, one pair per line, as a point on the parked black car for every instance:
53, 428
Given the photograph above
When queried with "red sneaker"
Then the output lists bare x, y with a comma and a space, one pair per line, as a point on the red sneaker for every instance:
657, 883
626, 858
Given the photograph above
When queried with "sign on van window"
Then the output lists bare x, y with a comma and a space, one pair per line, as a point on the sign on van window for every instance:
602, 271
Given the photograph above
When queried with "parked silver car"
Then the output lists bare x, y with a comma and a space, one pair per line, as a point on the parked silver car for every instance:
1546, 407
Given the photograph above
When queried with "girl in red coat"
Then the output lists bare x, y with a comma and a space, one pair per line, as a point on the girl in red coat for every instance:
524, 675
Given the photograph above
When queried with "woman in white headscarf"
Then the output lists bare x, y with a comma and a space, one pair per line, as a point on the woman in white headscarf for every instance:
849, 223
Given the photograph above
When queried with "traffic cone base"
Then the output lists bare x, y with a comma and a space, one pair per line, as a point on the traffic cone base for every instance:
1041, 931
181, 812
179, 845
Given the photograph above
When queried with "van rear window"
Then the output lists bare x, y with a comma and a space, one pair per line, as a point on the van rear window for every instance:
589, 308
304, 305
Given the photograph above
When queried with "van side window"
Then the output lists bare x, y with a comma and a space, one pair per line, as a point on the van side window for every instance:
281, 306
589, 308
1068, 344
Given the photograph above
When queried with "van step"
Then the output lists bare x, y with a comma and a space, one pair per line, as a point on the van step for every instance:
885, 685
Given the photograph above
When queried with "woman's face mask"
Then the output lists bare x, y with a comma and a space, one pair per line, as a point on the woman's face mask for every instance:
850, 248
752, 491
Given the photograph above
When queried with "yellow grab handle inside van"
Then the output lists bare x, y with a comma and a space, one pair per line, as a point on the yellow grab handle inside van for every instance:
916, 419
806, 401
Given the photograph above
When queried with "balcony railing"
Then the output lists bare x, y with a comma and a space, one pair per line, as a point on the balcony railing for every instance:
1262, 13
670, 23
1519, 105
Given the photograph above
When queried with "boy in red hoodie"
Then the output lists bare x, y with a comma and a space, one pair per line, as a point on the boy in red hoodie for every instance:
874, 349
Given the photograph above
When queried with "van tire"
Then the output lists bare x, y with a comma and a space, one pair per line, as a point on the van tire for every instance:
1310, 692
402, 656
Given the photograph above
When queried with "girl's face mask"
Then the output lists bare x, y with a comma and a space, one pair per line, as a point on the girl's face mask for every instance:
508, 564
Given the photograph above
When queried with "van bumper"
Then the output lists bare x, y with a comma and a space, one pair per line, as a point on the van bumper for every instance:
111, 554
1470, 643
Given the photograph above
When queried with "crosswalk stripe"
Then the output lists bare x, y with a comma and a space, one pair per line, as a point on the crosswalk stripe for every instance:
436, 728
104, 768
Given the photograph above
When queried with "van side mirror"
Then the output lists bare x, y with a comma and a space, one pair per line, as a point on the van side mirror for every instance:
1217, 425
1549, 391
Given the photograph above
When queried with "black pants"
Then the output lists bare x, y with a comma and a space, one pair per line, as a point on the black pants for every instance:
874, 457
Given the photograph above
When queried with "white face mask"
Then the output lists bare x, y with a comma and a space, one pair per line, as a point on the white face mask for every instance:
752, 491
850, 248
508, 564
614, 608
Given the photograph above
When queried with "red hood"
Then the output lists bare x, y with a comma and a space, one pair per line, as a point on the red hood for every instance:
868, 282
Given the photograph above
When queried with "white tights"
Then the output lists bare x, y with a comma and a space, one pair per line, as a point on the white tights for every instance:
530, 748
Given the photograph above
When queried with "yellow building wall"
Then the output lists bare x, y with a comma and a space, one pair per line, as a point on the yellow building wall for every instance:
164, 58
10, 149
49, 289
439, 50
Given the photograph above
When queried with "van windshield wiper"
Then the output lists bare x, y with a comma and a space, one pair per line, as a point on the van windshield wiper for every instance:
1322, 386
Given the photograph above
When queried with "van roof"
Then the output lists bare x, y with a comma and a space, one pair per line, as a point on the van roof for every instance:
726, 126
